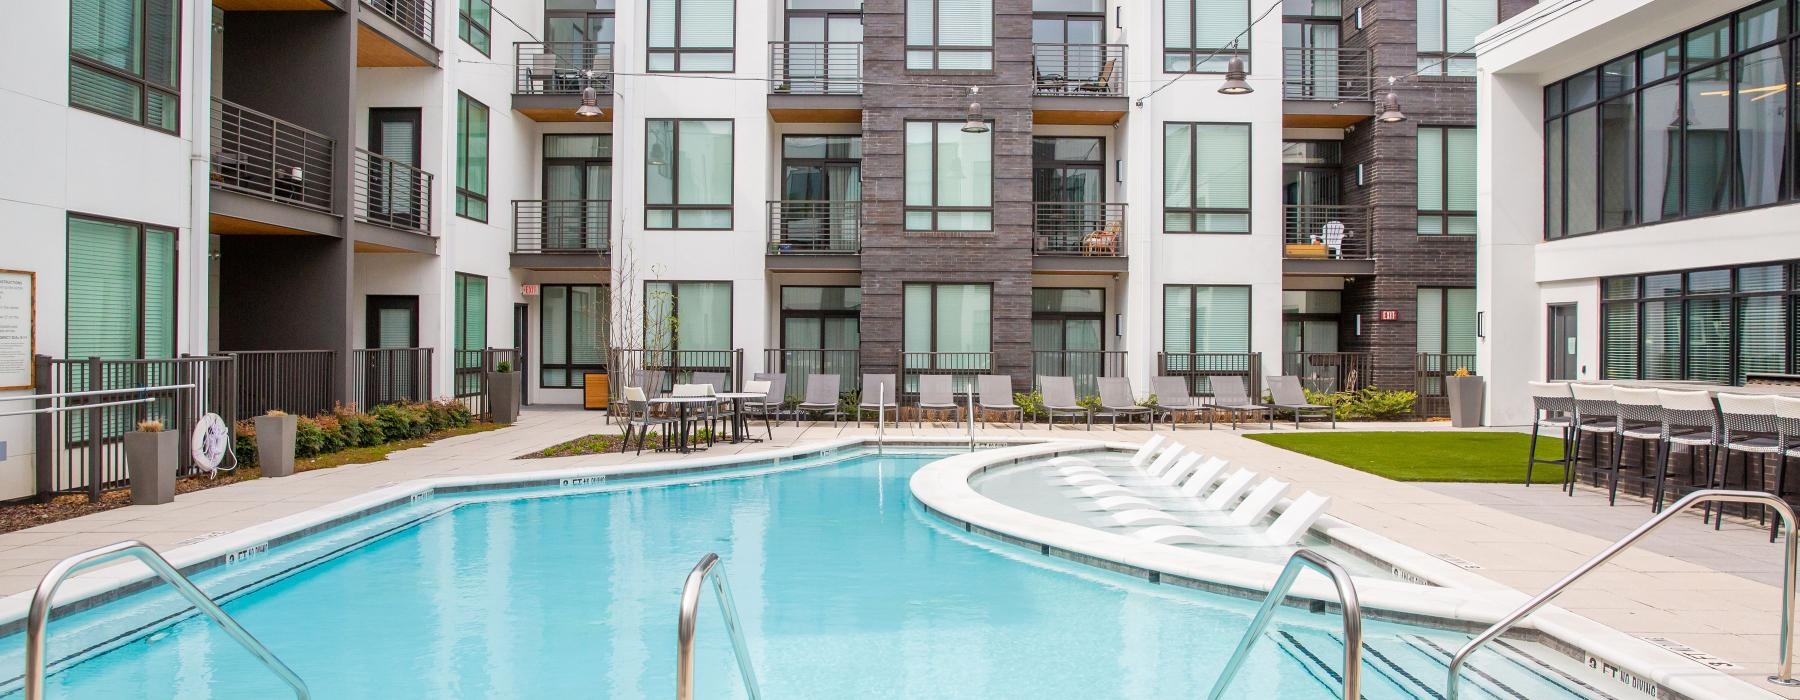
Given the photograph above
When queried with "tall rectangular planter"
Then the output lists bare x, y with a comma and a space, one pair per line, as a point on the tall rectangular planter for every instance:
503, 396
1465, 394
275, 444
151, 460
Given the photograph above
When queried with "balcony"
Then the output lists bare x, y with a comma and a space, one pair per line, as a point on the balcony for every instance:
269, 175
1325, 87
396, 34
1078, 83
815, 82
549, 77
392, 205
815, 235
562, 234
1078, 237
1327, 240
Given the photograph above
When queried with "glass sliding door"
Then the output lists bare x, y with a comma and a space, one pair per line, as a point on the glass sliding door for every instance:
394, 178
824, 51
821, 188
577, 190
821, 332
1068, 184
1068, 337
1067, 38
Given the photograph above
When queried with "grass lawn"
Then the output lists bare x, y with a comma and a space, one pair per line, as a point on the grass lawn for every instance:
1428, 455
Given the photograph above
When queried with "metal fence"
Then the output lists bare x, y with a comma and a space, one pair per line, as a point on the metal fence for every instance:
1094, 70
1325, 74
1086, 367
415, 16
1429, 371
815, 227
300, 382
676, 367
469, 376
83, 451
1328, 371
266, 157
1325, 232
963, 366
815, 68
799, 364
572, 226
390, 375
1078, 228
391, 193
562, 67
1198, 368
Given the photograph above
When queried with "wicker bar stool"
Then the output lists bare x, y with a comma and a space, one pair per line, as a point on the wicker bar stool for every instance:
1640, 418
1555, 409
1749, 429
1596, 414
1787, 430
1689, 419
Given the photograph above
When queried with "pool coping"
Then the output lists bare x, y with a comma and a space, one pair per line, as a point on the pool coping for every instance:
943, 488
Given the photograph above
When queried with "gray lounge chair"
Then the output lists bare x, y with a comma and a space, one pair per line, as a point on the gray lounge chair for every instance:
753, 407
821, 396
1117, 399
716, 379
997, 395
1288, 396
876, 390
1230, 396
771, 406
1172, 397
1059, 397
936, 393
638, 416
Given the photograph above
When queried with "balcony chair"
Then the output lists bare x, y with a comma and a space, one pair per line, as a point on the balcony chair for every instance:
1104, 82
1102, 242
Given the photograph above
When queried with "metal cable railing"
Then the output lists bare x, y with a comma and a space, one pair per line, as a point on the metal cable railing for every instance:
815, 227
1085, 70
562, 67
266, 157
391, 193
815, 68
415, 16
572, 226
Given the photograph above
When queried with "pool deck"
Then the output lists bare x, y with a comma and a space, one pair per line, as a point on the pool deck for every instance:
1711, 590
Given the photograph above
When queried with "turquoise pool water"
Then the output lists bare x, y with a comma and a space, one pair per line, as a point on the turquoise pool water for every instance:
846, 587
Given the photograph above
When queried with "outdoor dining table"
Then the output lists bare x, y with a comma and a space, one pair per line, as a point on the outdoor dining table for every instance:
682, 403
1691, 385
739, 424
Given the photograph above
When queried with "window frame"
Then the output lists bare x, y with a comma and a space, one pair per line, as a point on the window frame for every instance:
677, 51
1790, 311
933, 313
675, 311
1194, 181
675, 207
934, 208
142, 282
467, 26
1193, 335
1443, 292
464, 195
144, 85
937, 48
571, 367
783, 313
1194, 55
1440, 59
1063, 317
1443, 215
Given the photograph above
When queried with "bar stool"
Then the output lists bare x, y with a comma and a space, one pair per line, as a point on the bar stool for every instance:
1555, 409
1596, 414
1689, 419
1640, 418
1787, 430
1749, 428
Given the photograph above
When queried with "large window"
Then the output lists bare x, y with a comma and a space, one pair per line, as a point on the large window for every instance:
687, 173
572, 330
950, 35
1206, 178
121, 290
474, 24
471, 158
949, 178
1447, 30
471, 331
1712, 325
1446, 322
1205, 319
1201, 36
124, 60
692, 36
687, 315
947, 328
1446, 181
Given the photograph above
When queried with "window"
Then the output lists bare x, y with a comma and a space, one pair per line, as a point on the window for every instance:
692, 36
687, 315
1447, 30
1206, 178
474, 20
1714, 325
573, 331
121, 290
949, 178
947, 327
1205, 319
1068, 338
1446, 323
950, 35
820, 334
471, 331
471, 158
124, 57
577, 191
1446, 181
687, 173
1202, 36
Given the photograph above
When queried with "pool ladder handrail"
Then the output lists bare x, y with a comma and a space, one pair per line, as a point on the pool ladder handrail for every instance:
971, 418
880, 418
1785, 671
1352, 612
39, 616
690, 612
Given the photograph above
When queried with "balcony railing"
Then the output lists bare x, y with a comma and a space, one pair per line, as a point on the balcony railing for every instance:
963, 367
266, 157
1429, 371
815, 228
414, 16
1200, 367
815, 68
391, 193
1325, 232
1090, 70
562, 67
1326, 75
799, 363
562, 226
1328, 371
1086, 367
1091, 229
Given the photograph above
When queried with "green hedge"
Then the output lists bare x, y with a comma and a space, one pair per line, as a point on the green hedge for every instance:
344, 427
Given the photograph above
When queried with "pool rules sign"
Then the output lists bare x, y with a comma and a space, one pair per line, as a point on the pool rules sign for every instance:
18, 328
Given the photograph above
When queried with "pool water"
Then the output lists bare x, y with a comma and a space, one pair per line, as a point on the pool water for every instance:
847, 589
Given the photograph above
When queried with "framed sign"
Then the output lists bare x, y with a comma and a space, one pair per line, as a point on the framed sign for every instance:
1390, 315
18, 328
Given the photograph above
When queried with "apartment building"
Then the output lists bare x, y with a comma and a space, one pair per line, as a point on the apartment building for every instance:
1636, 179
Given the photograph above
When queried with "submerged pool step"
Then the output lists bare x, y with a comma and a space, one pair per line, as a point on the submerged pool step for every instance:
1413, 667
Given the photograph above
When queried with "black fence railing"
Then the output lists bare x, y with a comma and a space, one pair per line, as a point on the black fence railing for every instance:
815, 227
1325, 232
1325, 74
628, 367
1429, 371
83, 451
800, 364
390, 375
562, 226
562, 67
1092, 70
1328, 371
1086, 367
1198, 368
815, 68
266, 157
469, 376
415, 16
963, 366
300, 382
1089, 229
391, 193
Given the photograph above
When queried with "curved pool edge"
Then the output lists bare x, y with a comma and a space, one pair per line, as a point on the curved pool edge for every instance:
1467, 601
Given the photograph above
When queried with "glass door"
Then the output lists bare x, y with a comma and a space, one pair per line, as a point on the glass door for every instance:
394, 181
1068, 184
821, 191
1068, 47
824, 52
577, 189
581, 35
1311, 64
1563, 333
392, 325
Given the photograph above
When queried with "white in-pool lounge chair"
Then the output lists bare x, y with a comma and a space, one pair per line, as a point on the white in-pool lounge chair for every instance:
1165, 460
1203, 478
1112, 503
1084, 478
1148, 450
1259, 503
1110, 488
1138, 517
1229, 492
1287, 529
1183, 467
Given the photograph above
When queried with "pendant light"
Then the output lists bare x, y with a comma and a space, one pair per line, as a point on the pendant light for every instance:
1234, 78
975, 124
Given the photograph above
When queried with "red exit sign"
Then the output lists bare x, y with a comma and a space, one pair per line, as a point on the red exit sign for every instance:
1390, 315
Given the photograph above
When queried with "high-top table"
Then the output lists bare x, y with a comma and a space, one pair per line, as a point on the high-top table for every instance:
1690, 385
682, 403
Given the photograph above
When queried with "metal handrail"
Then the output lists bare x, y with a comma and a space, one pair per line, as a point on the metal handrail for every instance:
96, 392
39, 616
880, 417
1346, 591
1785, 669
684, 630
971, 418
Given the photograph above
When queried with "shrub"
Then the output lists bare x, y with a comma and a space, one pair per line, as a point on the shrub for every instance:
150, 426
503, 367
1091, 403
1032, 403
309, 438
1339, 402
245, 444
1374, 403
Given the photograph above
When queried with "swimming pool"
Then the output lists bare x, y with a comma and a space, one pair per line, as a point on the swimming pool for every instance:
846, 587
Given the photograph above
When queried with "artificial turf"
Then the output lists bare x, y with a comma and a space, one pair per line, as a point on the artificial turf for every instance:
1487, 457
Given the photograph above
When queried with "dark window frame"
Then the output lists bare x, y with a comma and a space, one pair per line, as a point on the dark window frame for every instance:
569, 366
677, 50
1443, 215
142, 282
934, 208
1196, 55
143, 84
467, 25
1790, 293
675, 311
784, 313
1194, 181
465, 195
1065, 316
937, 48
1441, 58
1443, 291
675, 207
1193, 334
933, 313
546, 160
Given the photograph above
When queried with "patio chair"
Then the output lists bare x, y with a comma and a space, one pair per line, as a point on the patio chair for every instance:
754, 407
1059, 397
709, 412
1230, 396
877, 390
637, 416
997, 395
716, 379
1288, 396
935, 393
1172, 397
1117, 399
777, 394
821, 396
1553, 407
1749, 429
1103, 82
